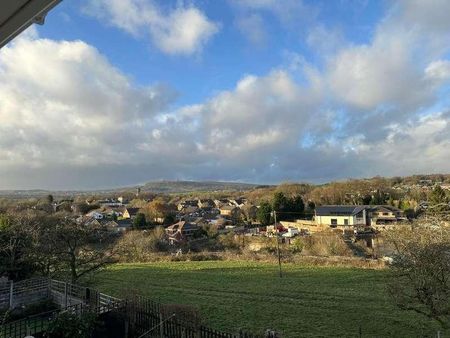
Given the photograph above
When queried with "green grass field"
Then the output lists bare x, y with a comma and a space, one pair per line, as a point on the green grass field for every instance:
306, 302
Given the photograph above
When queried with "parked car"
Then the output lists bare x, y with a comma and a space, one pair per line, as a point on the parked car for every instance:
291, 232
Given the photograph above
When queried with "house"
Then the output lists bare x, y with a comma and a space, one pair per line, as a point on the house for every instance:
230, 211
188, 203
180, 232
124, 224
122, 200
113, 211
238, 202
385, 214
343, 217
220, 222
105, 203
347, 217
189, 210
205, 203
118, 226
158, 220
221, 202
89, 221
95, 214
129, 213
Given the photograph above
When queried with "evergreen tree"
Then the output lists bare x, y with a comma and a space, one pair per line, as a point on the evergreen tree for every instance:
139, 221
264, 213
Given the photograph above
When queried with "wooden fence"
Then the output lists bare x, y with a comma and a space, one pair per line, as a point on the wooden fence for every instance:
39, 323
140, 317
148, 319
14, 295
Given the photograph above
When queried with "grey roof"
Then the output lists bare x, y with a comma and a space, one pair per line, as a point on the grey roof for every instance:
329, 210
123, 223
132, 211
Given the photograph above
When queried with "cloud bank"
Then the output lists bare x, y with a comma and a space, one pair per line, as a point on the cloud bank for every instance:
71, 119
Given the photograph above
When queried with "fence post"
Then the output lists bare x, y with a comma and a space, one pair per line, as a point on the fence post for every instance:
49, 288
11, 295
65, 294
161, 325
126, 328
28, 327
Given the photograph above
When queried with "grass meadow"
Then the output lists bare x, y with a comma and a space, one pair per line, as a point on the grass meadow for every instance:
309, 301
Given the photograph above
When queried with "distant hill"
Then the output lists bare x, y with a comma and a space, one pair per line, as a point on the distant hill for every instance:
169, 187
183, 187
158, 187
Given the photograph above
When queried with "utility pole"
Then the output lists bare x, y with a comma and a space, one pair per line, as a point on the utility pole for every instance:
278, 242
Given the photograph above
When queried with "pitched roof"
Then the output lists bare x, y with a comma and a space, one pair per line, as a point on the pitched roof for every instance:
181, 225
132, 211
111, 224
123, 223
326, 210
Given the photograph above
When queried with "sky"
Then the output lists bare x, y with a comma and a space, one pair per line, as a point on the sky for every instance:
110, 93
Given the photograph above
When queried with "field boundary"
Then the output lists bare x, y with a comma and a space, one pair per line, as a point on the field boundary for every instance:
139, 317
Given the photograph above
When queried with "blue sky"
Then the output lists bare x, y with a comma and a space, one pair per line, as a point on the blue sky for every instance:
227, 56
111, 93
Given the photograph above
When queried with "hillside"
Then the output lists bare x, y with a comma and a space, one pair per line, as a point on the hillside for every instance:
158, 187
253, 191
193, 186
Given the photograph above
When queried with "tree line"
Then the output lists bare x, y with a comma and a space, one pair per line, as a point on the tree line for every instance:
51, 244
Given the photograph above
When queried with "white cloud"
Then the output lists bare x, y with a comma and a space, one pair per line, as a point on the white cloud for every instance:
183, 30
438, 70
252, 27
287, 11
259, 112
426, 14
394, 77
371, 75
64, 103
420, 146
66, 110
324, 40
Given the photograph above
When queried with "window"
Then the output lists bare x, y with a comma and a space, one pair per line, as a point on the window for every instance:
333, 222
345, 221
385, 213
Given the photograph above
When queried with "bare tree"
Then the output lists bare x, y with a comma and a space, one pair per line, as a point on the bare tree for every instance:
78, 247
16, 236
420, 278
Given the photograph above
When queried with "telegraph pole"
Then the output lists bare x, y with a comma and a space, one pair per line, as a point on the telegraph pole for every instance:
278, 242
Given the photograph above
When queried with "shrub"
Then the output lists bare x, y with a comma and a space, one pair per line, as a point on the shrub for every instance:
326, 244
187, 314
139, 246
297, 245
229, 241
70, 325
